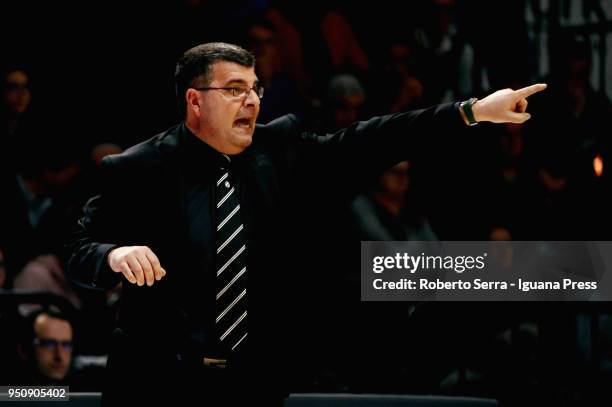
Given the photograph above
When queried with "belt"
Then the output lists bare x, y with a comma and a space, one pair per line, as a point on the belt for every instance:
214, 363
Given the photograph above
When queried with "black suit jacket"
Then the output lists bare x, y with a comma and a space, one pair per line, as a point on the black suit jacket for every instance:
290, 179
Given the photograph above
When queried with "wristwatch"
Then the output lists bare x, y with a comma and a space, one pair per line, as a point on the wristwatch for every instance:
465, 108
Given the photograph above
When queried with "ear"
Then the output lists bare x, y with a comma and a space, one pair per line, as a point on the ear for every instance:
192, 99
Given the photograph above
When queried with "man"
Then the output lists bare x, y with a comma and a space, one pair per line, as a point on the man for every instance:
48, 347
200, 222
15, 118
37, 208
16, 100
387, 210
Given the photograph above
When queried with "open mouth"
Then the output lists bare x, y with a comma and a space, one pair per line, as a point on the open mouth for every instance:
243, 123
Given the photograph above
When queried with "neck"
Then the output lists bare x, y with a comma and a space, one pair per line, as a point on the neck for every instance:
194, 128
215, 143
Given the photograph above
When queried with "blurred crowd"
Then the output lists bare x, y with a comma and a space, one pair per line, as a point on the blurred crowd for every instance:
66, 106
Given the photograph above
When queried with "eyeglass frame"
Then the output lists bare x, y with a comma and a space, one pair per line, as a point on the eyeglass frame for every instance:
259, 92
50, 344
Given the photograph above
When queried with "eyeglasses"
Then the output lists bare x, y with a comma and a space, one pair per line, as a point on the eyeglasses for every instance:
13, 86
239, 91
51, 344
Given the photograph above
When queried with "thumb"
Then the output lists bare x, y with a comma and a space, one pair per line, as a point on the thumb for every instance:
513, 117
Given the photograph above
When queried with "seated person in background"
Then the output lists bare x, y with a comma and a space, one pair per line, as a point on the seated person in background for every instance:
45, 273
389, 210
344, 104
47, 348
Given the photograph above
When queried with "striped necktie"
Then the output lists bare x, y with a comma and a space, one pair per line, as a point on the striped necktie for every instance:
231, 281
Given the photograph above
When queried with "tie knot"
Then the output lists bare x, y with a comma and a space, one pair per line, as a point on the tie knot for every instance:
225, 163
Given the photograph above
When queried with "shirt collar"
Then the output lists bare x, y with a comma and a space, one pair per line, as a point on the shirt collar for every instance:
198, 153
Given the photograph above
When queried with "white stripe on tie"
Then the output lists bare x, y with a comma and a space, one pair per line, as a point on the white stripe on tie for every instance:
228, 218
222, 178
229, 307
231, 328
229, 239
231, 282
225, 198
231, 260
238, 343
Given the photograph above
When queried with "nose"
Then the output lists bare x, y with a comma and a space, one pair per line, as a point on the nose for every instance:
251, 98
57, 354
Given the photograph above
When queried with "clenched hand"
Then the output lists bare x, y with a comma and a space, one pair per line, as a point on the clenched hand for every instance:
138, 264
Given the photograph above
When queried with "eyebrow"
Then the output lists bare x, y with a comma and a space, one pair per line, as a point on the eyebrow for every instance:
240, 82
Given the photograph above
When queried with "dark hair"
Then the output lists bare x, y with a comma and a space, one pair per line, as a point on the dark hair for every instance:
14, 68
28, 333
196, 63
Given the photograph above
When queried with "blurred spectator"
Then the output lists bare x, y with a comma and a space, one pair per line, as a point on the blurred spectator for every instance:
47, 348
37, 205
389, 211
16, 98
555, 198
344, 49
344, 102
45, 273
497, 48
289, 41
573, 132
398, 88
439, 48
204, 21
330, 46
510, 184
281, 93
410, 95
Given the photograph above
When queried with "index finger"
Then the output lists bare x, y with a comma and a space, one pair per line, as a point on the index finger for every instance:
158, 270
530, 90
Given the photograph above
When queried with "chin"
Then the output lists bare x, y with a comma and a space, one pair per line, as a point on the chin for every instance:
238, 145
58, 376
244, 140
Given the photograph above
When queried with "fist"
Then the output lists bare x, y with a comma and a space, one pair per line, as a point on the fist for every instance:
138, 264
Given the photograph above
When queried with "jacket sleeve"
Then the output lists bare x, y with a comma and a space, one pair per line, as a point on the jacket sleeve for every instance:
91, 241
367, 148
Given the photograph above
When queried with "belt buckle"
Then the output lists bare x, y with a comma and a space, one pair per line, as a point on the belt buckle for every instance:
215, 363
